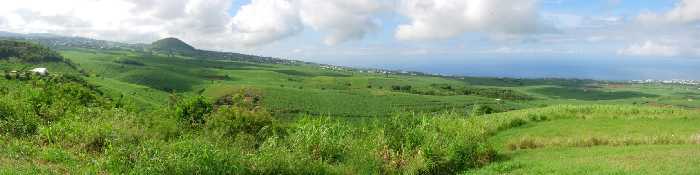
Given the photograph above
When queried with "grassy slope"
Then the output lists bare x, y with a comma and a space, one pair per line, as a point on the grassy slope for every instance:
299, 88
645, 159
559, 130
598, 140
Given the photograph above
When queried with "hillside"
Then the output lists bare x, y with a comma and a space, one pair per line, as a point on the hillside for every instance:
27, 52
596, 140
172, 44
132, 112
23, 56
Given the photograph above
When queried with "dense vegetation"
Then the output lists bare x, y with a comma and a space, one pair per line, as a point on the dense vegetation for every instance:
27, 52
143, 113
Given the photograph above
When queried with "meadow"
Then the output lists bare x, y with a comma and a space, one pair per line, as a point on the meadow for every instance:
124, 112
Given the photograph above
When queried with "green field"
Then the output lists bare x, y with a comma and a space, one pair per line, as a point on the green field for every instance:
131, 112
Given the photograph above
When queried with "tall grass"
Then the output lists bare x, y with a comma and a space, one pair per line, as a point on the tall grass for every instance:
86, 134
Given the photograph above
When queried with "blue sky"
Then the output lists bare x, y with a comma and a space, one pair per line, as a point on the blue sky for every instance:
445, 36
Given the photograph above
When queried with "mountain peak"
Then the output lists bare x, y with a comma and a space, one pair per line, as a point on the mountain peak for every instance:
172, 44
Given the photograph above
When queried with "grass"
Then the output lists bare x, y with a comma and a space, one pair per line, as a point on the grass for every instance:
245, 140
644, 159
589, 94
612, 132
315, 121
606, 139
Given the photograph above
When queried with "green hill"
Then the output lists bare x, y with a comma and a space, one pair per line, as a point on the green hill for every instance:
27, 52
22, 56
133, 112
172, 45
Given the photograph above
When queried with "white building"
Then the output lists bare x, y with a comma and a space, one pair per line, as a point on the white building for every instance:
41, 71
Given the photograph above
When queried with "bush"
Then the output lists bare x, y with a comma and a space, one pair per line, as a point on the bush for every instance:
16, 122
231, 122
420, 145
193, 111
478, 110
404, 88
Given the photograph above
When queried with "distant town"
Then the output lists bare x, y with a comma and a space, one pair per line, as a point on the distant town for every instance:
672, 81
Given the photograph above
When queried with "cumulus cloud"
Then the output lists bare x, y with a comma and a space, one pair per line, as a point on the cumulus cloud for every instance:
264, 21
440, 19
343, 20
209, 22
163, 9
650, 48
685, 11
257, 23
124, 20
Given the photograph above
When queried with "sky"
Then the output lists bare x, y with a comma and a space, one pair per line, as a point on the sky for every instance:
602, 39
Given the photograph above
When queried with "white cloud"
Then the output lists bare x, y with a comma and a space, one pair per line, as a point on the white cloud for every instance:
685, 11
264, 21
650, 48
441, 19
203, 22
343, 20
122, 20
163, 9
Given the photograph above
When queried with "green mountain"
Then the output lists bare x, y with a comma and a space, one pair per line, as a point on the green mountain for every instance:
172, 44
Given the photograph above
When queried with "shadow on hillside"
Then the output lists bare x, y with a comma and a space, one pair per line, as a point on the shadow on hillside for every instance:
307, 74
162, 80
589, 94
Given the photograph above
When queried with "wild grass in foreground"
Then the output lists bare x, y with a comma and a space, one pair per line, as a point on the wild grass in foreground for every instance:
79, 132
609, 139
59, 126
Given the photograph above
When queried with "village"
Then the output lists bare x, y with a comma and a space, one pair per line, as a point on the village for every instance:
672, 81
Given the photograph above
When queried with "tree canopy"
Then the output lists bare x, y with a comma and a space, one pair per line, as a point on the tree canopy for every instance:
27, 52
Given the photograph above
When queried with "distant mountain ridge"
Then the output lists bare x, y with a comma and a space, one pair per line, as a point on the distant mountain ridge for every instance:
167, 46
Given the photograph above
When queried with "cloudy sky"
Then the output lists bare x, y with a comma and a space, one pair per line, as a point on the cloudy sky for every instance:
386, 32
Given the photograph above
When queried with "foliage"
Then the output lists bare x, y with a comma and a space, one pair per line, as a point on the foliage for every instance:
589, 94
27, 52
14, 121
505, 94
340, 122
478, 110
193, 111
130, 62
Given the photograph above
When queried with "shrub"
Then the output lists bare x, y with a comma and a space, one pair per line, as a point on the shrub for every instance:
478, 110
16, 122
193, 111
404, 88
232, 121
420, 145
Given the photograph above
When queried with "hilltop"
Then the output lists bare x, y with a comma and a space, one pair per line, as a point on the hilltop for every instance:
172, 44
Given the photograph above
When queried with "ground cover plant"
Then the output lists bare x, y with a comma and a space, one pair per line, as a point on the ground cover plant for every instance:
127, 112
